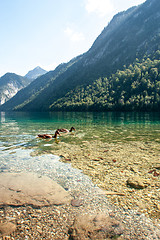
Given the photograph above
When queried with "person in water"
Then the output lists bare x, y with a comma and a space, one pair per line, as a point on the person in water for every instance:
64, 130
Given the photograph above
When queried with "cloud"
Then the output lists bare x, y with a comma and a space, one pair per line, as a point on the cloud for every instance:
100, 7
73, 35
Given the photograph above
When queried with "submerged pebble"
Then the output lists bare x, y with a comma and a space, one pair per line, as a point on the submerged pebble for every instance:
133, 207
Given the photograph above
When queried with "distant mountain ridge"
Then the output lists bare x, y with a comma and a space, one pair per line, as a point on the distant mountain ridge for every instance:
11, 83
132, 34
36, 72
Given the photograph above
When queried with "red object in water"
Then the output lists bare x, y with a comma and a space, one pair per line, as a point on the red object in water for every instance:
114, 160
155, 173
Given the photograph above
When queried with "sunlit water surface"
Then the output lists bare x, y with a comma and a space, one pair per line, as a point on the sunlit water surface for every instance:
19, 143
19, 130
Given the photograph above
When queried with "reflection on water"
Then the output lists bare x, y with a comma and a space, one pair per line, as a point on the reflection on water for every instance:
23, 127
20, 129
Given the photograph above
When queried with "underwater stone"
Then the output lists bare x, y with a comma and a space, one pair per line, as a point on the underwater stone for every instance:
7, 228
137, 182
24, 188
97, 226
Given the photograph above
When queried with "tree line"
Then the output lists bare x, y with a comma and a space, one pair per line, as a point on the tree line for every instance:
136, 87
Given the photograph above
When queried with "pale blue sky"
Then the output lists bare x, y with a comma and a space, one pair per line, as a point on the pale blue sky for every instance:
46, 33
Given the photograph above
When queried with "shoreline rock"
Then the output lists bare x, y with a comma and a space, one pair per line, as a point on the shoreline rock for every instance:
95, 227
54, 221
137, 182
6, 228
26, 188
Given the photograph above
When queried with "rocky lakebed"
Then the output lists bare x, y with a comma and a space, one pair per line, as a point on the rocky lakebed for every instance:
92, 190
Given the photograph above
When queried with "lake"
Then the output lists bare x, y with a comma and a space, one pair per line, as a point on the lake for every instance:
20, 129
104, 151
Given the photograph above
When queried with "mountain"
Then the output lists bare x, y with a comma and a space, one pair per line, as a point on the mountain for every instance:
124, 45
36, 72
10, 84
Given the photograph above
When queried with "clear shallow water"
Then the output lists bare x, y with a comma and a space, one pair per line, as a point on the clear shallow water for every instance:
22, 128
18, 140
19, 130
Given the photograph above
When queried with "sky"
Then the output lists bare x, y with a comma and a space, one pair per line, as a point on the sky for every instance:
46, 33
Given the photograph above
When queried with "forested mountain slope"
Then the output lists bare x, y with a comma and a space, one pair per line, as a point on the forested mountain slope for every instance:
134, 88
132, 34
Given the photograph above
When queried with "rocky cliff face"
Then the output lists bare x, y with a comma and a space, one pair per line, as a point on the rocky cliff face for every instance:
10, 84
9, 92
130, 34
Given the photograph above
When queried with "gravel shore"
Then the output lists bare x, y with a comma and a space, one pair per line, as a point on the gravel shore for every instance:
110, 165
128, 180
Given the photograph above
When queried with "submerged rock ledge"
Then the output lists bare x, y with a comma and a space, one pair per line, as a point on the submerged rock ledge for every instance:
17, 189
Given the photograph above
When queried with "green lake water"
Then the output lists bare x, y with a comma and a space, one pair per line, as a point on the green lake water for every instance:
22, 127
19, 130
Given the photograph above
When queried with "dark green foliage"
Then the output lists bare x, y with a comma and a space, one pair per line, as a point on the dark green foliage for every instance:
135, 88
